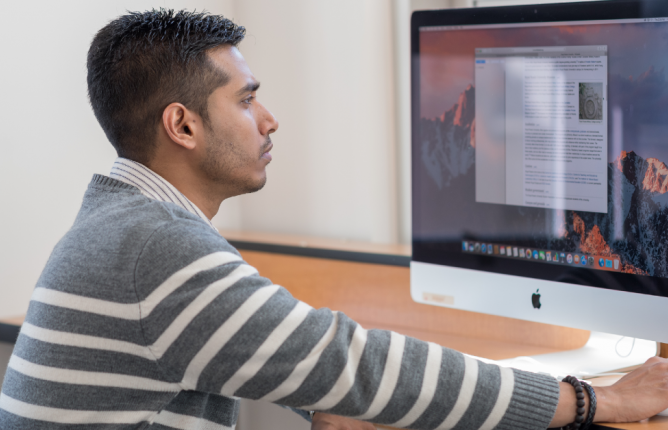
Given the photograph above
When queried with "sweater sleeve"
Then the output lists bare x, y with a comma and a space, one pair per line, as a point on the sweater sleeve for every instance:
215, 325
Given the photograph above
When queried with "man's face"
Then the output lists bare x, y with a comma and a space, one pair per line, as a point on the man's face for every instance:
237, 139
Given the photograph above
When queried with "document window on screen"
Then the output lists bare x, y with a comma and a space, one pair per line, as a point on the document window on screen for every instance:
542, 127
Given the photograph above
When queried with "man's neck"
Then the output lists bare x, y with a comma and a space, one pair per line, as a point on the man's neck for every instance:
188, 182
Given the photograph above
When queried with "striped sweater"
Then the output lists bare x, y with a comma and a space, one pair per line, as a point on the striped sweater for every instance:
146, 318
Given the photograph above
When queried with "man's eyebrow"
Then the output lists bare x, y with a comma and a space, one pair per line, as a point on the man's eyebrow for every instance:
249, 88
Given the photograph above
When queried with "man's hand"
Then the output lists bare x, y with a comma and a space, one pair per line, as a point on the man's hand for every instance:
322, 421
638, 395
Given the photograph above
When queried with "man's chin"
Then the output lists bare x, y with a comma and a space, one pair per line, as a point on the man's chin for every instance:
258, 187
254, 186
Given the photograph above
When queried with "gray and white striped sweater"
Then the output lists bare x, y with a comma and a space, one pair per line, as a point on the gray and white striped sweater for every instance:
146, 318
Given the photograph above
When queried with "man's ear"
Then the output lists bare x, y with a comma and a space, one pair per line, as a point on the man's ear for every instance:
183, 126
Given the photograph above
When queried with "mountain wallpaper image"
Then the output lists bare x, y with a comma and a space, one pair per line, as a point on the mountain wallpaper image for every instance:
635, 228
447, 145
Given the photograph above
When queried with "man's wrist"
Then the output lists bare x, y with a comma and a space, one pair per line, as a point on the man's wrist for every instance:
605, 408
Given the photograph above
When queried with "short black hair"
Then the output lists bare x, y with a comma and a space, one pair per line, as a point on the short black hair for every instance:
141, 62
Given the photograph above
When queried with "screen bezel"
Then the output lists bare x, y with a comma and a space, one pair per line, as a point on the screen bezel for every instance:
448, 253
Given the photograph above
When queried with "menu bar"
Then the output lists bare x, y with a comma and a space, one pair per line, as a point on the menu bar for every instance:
542, 24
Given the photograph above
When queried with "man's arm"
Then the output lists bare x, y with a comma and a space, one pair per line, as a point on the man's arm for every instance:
214, 325
647, 389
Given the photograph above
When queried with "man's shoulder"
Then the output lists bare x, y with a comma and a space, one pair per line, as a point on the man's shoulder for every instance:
118, 230
182, 240
115, 214
179, 249
153, 225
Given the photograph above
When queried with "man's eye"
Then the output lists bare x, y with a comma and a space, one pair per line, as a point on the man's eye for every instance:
249, 100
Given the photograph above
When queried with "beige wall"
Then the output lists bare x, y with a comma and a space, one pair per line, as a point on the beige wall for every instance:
51, 141
327, 74
337, 76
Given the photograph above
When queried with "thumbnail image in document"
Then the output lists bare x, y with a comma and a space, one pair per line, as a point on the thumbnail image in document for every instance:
591, 101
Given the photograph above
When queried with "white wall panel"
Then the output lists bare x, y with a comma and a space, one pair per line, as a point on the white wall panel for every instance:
327, 74
52, 143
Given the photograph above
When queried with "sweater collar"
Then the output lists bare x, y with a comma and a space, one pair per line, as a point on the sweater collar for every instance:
153, 185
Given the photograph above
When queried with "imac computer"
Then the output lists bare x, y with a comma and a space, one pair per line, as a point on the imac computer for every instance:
539, 164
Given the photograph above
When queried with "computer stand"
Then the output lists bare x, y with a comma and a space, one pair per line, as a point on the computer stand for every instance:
602, 354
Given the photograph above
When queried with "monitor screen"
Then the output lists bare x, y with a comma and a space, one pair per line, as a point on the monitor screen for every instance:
540, 142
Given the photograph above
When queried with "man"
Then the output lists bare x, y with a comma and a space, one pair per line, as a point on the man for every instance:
145, 317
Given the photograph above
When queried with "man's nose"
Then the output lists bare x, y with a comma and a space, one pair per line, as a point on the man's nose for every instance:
269, 124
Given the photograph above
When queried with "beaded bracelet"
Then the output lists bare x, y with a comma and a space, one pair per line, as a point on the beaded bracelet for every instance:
592, 405
580, 402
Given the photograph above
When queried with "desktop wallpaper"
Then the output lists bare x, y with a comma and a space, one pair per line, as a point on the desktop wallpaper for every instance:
635, 229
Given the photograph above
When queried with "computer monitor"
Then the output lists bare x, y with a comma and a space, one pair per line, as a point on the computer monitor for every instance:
539, 151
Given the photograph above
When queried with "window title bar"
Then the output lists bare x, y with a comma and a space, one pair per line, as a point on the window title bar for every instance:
544, 51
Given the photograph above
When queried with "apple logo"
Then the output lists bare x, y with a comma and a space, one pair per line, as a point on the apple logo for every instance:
535, 300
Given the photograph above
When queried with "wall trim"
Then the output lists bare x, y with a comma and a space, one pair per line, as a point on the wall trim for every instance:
330, 254
9, 332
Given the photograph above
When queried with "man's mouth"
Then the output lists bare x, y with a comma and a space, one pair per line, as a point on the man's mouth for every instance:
265, 151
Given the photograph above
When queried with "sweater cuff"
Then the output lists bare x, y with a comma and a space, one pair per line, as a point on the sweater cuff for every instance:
533, 402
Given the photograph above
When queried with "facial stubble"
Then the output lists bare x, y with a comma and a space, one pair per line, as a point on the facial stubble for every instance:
227, 164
